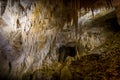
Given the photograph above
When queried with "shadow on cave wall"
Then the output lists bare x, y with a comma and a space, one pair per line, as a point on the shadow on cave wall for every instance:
5, 58
109, 19
3, 6
114, 24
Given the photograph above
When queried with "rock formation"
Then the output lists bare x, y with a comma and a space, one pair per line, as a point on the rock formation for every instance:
40, 41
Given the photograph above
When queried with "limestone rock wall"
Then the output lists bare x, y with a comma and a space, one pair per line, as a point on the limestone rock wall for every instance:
31, 29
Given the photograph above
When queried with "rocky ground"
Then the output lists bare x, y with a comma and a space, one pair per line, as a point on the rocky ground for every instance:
105, 66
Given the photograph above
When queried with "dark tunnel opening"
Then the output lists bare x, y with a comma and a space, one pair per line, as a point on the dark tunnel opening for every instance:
65, 51
114, 24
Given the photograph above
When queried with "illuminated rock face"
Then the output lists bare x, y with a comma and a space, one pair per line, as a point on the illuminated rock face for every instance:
31, 31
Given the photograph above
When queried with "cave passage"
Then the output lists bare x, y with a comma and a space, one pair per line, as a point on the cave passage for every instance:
59, 40
65, 51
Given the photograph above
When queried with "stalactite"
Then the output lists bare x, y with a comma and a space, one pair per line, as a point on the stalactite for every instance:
76, 21
92, 10
108, 3
111, 3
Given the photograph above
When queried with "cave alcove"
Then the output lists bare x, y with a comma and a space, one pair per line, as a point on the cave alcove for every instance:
114, 24
65, 51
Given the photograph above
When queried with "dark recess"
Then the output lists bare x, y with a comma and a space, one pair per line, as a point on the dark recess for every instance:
65, 51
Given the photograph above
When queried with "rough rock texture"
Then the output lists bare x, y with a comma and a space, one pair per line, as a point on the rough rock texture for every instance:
32, 33
103, 66
31, 30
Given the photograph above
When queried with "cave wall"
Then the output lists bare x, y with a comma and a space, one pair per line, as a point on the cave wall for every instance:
94, 31
31, 29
